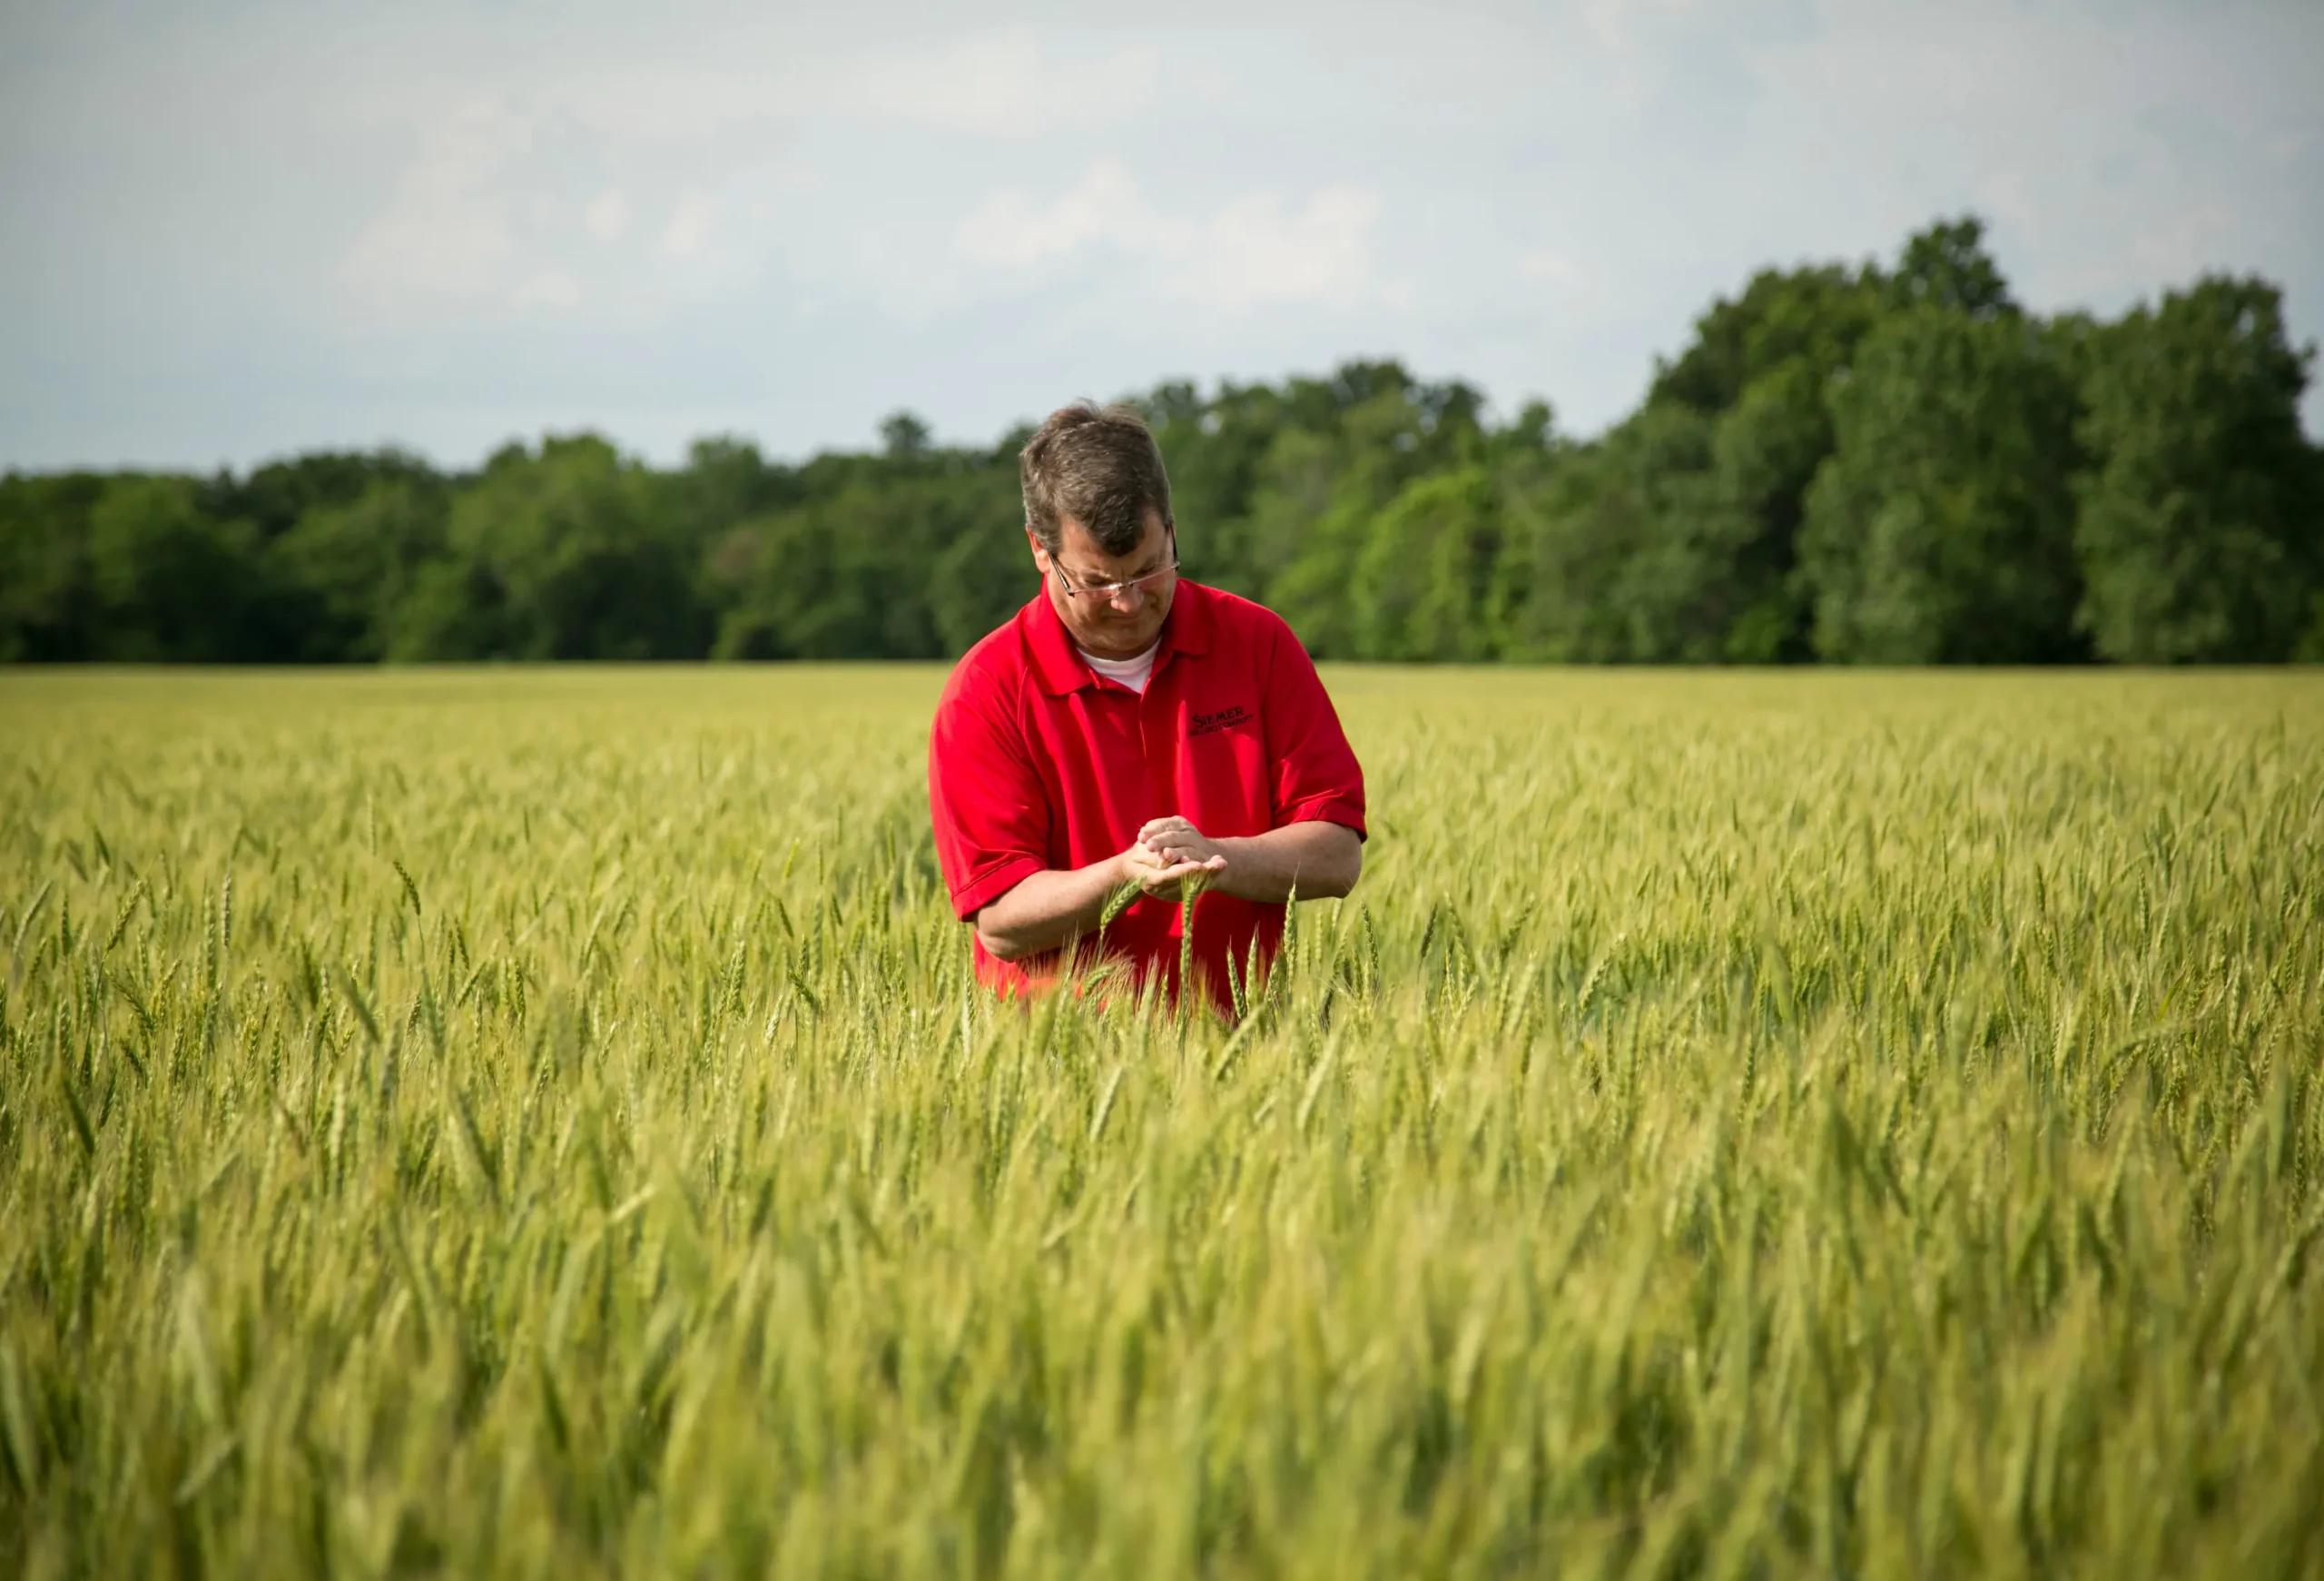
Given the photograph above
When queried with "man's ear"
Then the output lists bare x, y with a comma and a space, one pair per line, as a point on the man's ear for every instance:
1040, 554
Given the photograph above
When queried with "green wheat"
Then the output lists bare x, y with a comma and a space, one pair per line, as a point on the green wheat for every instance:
544, 1123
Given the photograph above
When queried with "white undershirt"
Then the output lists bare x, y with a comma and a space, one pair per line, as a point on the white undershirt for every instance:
1132, 672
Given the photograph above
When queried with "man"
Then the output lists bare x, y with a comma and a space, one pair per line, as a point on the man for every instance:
1130, 728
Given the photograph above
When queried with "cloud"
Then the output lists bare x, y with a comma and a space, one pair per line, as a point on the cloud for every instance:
1548, 263
1538, 198
690, 228
448, 231
1010, 85
607, 216
1105, 210
552, 290
1253, 251
510, 210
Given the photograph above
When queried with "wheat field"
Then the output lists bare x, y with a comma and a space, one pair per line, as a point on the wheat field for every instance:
542, 1123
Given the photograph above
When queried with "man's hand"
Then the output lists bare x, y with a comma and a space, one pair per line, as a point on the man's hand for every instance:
1168, 854
1313, 860
1174, 839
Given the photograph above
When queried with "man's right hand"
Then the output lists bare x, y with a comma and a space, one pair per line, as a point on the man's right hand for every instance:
1050, 907
1159, 875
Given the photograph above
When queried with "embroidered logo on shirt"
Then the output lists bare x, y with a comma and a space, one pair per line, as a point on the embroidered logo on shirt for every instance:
1224, 718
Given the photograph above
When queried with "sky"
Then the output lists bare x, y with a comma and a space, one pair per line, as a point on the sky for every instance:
236, 231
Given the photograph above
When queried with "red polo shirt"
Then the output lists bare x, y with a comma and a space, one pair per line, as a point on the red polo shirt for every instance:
1036, 762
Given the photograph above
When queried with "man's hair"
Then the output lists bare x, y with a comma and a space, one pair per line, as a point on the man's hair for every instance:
1097, 466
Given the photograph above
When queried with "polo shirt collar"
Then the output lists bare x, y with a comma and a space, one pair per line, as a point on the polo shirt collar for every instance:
1058, 665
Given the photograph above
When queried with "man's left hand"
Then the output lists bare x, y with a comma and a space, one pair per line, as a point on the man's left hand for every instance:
1175, 840
1311, 860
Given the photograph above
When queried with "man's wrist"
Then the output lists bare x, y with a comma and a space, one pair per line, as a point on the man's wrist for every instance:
1236, 879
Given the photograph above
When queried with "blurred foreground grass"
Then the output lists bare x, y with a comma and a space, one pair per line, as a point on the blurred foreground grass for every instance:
541, 1123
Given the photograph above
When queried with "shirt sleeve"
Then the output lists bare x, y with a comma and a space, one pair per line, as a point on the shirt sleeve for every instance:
1313, 769
991, 814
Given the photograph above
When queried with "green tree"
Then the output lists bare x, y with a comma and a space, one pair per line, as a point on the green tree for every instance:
172, 583
1356, 441
1571, 524
850, 577
1712, 575
283, 616
1305, 524
1642, 548
1941, 530
1217, 451
1673, 592
1855, 462
2199, 528
276, 497
1814, 317
724, 480
983, 571
903, 437
1421, 584
347, 568
557, 554
48, 607
1765, 455
1946, 266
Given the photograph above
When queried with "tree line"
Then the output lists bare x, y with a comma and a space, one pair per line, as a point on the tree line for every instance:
1883, 464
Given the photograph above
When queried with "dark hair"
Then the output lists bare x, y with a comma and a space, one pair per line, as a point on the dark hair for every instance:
1097, 466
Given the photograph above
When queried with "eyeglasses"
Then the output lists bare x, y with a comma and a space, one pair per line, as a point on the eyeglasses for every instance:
1104, 591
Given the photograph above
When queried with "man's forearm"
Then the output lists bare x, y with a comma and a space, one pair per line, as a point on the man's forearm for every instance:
1047, 908
1315, 860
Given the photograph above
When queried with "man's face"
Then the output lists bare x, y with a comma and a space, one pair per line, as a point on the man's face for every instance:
1128, 623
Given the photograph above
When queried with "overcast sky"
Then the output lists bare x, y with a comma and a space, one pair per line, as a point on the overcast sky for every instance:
232, 231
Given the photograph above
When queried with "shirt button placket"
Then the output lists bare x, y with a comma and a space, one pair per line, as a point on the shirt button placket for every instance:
1157, 713
1159, 742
